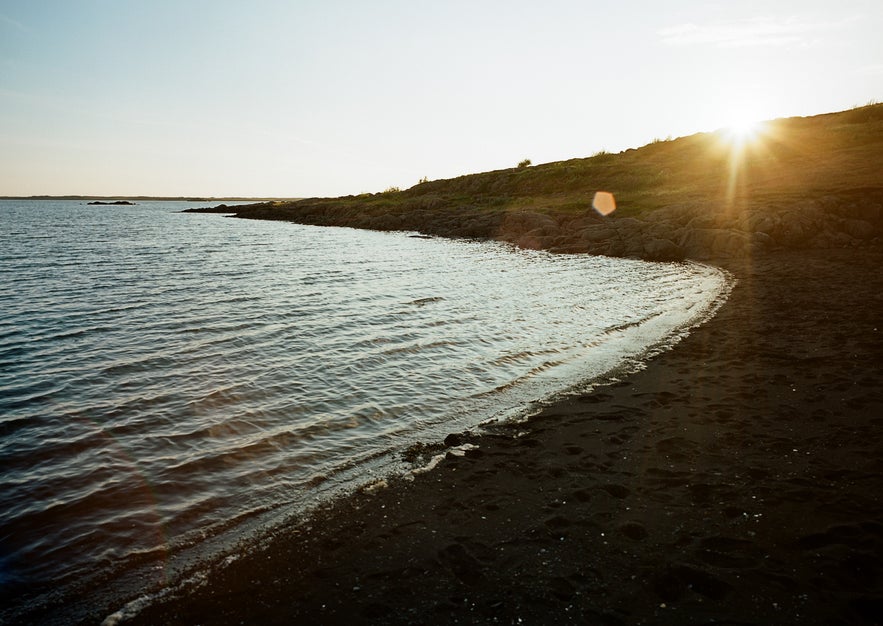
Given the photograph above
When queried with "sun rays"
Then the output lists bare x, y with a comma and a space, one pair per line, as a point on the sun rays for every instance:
742, 131
741, 137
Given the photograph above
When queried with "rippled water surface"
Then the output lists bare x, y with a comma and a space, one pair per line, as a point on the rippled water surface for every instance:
169, 381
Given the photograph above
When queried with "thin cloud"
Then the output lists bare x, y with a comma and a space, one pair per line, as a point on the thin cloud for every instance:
761, 31
5, 19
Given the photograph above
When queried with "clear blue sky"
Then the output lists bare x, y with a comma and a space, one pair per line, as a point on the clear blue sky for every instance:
332, 97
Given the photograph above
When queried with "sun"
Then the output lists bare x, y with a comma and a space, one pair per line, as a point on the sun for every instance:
742, 130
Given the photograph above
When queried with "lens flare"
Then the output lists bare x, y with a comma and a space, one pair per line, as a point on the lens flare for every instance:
604, 202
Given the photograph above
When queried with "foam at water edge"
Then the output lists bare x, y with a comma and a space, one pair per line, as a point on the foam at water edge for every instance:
639, 361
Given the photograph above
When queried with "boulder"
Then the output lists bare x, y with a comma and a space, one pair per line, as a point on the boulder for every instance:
663, 250
526, 221
704, 243
760, 240
858, 229
597, 233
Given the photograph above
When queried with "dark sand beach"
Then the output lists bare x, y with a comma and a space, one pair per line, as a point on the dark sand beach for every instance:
738, 479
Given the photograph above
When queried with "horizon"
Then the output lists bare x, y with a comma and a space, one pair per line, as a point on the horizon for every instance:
70, 196
739, 132
323, 100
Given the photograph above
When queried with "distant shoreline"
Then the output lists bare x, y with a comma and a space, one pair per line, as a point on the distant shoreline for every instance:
153, 198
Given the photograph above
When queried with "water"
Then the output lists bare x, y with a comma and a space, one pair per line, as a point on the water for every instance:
173, 383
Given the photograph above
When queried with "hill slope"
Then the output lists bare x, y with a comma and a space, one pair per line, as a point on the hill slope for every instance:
802, 182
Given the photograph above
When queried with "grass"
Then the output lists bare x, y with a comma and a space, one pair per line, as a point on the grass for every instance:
794, 158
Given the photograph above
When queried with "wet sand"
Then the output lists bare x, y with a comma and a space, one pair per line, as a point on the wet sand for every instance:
738, 479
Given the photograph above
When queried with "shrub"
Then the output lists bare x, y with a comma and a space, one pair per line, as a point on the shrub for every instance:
524, 163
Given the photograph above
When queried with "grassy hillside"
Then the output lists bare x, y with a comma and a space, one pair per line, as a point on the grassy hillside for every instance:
792, 157
830, 163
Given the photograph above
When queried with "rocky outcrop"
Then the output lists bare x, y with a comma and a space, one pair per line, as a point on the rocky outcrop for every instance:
677, 233
671, 233
831, 222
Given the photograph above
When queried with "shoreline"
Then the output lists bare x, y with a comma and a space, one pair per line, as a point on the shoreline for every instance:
44, 198
737, 478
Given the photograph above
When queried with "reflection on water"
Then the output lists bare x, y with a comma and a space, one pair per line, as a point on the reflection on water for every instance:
168, 381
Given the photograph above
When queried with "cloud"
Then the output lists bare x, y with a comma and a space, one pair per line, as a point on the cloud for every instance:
753, 32
14, 23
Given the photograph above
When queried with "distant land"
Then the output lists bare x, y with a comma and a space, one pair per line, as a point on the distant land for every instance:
157, 198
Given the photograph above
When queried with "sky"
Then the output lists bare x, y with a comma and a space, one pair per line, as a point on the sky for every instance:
301, 98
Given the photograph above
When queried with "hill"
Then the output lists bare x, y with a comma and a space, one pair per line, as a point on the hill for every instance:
800, 182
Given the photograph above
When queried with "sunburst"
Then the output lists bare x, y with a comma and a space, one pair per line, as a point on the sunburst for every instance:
742, 130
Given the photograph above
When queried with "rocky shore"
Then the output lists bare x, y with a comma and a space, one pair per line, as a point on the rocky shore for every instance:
673, 233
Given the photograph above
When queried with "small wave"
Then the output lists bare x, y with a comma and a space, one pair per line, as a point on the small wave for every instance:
534, 371
631, 324
519, 357
419, 347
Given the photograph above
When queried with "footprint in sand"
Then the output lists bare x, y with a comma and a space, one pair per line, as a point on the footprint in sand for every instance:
727, 552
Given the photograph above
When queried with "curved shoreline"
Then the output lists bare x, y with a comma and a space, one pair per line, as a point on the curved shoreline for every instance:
736, 478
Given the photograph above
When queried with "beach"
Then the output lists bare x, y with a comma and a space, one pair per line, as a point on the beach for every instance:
387, 314
736, 479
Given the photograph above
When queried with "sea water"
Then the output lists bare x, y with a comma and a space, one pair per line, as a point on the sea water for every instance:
174, 383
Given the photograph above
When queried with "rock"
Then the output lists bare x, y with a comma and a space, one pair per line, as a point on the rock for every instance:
576, 224
703, 243
704, 221
795, 229
628, 238
761, 222
729, 243
836, 239
453, 440
858, 229
661, 230
761, 240
567, 245
596, 233
525, 221
663, 250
